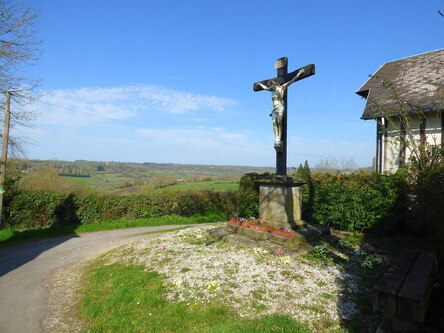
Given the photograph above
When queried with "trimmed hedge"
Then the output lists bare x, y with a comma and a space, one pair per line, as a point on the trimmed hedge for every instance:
428, 209
351, 203
41, 209
249, 194
356, 202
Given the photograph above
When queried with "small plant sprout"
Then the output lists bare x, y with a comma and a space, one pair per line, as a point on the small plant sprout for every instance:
344, 243
361, 253
177, 282
372, 260
286, 260
321, 250
213, 285
260, 251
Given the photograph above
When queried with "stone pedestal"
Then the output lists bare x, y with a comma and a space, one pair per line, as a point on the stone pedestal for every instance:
280, 202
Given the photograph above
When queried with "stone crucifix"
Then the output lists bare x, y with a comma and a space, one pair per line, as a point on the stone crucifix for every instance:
278, 87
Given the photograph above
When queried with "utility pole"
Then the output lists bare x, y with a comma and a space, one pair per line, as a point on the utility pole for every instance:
4, 149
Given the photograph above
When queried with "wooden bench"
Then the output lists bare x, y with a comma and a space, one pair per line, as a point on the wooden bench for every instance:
401, 296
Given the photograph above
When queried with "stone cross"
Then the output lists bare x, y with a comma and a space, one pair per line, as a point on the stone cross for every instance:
278, 87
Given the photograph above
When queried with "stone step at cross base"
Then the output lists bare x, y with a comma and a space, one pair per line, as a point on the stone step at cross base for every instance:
310, 233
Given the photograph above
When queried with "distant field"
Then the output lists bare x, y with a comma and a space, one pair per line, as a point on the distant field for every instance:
137, 178
211, 186
103, 181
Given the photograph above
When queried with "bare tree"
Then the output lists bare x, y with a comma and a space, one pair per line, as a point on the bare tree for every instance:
19, 48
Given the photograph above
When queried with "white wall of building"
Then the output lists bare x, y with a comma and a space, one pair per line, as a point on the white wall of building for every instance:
392, 143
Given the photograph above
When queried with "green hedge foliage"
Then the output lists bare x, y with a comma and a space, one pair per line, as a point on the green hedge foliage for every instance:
42, 209
350, 203
428, 207
356, 202
249, 195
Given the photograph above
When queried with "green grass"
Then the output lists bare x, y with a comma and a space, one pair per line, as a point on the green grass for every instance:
211, 186
121, 298
12, 236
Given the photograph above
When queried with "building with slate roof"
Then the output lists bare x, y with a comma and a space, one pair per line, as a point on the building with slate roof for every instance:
406, 98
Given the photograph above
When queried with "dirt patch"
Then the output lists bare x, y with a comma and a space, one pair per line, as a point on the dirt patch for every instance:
63, 286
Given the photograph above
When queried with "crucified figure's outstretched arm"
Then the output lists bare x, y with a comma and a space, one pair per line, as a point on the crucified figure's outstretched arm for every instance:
297, 76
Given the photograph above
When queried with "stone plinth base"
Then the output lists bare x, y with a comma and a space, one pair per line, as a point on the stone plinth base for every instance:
280, 203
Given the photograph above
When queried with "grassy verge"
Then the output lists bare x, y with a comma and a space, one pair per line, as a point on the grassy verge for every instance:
121, 298
12, 236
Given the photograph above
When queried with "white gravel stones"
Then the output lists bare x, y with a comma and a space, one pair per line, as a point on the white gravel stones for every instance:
251, 280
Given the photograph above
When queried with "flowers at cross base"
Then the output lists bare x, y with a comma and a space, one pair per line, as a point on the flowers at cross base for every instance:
279, 252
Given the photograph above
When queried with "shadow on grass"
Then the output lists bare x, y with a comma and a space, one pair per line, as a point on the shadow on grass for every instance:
359, 265
355, 281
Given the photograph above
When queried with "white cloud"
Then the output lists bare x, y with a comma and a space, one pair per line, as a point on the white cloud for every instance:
86, 106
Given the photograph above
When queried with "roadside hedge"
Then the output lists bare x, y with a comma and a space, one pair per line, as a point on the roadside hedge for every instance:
42, 209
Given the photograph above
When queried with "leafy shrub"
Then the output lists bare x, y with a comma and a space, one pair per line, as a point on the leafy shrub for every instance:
356, 202
249, 194
34, 209
428, 211
42, 209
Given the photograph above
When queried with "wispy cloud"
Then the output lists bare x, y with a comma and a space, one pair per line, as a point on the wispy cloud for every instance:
205, 144
86, 106
201, 137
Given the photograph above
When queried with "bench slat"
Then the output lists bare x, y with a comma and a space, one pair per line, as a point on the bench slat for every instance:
389, 285
415, 292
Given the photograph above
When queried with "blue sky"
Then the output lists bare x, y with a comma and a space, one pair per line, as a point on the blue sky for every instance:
171, 81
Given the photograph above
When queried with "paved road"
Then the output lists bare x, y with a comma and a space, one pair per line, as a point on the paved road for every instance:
25, 267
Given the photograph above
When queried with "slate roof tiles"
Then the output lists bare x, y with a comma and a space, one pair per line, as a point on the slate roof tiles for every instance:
410, 84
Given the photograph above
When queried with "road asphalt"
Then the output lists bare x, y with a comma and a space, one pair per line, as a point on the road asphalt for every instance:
25, 267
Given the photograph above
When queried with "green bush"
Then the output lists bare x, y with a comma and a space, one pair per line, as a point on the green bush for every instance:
34, 209
249, 195
428, 211
42, 209
356, 202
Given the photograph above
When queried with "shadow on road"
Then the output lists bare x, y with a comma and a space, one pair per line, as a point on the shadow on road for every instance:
15, 256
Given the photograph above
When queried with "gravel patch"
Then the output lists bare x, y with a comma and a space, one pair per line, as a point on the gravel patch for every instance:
253, 280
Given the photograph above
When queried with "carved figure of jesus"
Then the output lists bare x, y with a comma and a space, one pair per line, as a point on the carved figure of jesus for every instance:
277, 112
